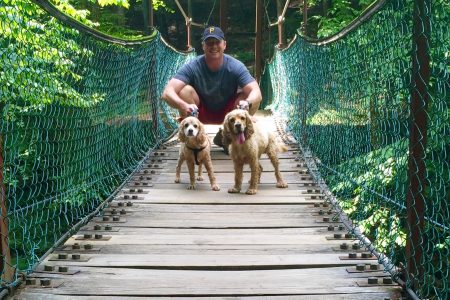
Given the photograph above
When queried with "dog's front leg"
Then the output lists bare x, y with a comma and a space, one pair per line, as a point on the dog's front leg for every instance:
255, 176
238, 173
200, 172
178, 169
191, 168
212, 178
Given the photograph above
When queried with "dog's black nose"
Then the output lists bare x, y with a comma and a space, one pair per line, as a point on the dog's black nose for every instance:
238, 125
190, 131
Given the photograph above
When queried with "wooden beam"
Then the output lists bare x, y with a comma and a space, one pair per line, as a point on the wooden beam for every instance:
258, 39
5, 261
223, 16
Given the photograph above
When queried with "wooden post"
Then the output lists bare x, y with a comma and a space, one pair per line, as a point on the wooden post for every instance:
258, 40
7, 271
415, 199
223, 16
281, 13
305, 17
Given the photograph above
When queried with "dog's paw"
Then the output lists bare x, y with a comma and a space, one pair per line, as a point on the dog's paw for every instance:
200, 178
177, 180
215, 187
191, 187
234, 191
282, 185
251, 192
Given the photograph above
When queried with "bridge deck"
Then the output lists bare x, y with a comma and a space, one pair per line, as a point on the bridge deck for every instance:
178, 243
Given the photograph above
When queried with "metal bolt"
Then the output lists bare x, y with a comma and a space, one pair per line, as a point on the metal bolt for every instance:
129, 203
148, 178
325, 204
87, 236
145, 183
88, 247
152, 172
134, 198
114, 211
329, 212
326, 219
366, 255
105, 218
76, 256
62, 256
320, 212
75, 246
356, 246
108, 227
120, 204
352, 255
137, 183
46, 282
141, 177
126, 197
132, 190
48, 268
31, 281
344, 246
116, 218
123, 212
98, 236
97, 227
63, 269
337, 235
360, 267
349, 235
372, 280
374, 267
145, 171
140, 190
330, 228
341, 227
387, 280
316, 204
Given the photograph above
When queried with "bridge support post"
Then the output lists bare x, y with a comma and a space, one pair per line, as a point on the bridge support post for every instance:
258, 40
6, 269
416, 195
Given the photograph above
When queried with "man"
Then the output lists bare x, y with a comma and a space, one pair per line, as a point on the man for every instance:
212, 84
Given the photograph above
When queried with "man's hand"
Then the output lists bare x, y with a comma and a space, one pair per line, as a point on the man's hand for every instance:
190, 110
244, 104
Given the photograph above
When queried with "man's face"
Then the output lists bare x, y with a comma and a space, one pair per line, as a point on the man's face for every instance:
214, 47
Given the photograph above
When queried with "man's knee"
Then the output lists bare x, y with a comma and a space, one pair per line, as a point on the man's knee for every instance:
189, 95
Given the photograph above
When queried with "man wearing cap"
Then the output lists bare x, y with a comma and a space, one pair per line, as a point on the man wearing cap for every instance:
212, 84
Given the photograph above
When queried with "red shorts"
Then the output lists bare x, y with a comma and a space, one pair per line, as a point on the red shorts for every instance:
210, 117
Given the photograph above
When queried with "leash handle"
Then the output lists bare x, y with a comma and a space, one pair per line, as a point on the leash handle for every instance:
194, 113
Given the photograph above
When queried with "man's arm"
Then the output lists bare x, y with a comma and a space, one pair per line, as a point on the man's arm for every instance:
171, 96
253, 96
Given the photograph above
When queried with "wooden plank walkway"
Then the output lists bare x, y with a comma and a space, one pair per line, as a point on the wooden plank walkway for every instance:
186, 244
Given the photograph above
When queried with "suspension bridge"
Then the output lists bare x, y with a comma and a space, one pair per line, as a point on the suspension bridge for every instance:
89, 208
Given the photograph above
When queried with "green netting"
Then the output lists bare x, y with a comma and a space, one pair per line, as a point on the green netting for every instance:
348, 101
78, 114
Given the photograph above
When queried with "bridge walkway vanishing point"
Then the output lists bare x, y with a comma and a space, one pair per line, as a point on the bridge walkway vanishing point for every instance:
180, 243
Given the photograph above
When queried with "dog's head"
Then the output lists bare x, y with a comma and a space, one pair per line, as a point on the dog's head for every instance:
237, 127
190, 127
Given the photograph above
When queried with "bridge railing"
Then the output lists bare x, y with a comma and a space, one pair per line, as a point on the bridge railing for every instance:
371, 107
79, 111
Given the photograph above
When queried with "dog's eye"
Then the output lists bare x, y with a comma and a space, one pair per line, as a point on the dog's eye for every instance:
232, 120
186, 125
195, 126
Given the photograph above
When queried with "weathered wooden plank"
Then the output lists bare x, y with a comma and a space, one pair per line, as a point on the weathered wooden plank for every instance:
128, 282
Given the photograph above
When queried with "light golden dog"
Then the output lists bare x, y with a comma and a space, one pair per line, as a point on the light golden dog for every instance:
248, 140
195, 149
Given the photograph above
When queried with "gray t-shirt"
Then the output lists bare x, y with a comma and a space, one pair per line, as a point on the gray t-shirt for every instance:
215, 89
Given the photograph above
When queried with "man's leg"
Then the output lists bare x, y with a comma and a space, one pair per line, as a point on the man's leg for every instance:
189, 95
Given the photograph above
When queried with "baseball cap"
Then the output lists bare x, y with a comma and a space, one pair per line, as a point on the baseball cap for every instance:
213, 32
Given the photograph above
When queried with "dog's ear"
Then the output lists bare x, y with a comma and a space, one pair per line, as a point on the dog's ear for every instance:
226, 133
249, 130
181, 135
201, 135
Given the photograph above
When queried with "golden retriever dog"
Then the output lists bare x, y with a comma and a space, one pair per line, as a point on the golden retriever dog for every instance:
195, 150
248, 141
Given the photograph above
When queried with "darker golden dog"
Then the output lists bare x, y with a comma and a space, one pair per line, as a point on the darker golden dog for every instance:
195, 149
248, 141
